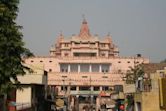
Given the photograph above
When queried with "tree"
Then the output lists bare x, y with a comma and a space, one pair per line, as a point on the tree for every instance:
163, 61
12, 48
133, 74
131, 77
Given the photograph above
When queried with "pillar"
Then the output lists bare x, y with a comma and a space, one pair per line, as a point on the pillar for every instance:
100, 88
100, 68
77, 88
78, 68
69, 68
91, 88
90, 67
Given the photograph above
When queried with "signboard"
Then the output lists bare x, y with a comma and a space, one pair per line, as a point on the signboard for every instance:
129, 88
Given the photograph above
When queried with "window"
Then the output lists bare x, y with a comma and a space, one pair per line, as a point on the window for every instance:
93, 54
105, 68
128, 61
104, 76
105, 88
50, 61
102, 45
102, 54
32, 61
64, 76
95, 67
50, 70
84, 88
64, 67
66, 54
96, 88
73, 88
41, 61
84, 76
74, 67
64, 70
119, 71
119, 61
66, 45
118, 88
76, 54
84, 67
92, 43
77, 43
84, 43
64, 88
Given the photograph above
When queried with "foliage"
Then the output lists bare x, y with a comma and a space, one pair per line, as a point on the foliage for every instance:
11, 46
133, 74
130, 102
163, 61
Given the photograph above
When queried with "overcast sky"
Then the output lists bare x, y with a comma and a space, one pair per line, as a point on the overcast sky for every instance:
137, 26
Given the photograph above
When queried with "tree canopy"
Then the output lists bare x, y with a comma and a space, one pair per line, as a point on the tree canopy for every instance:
163, 61
12, 48
133, 74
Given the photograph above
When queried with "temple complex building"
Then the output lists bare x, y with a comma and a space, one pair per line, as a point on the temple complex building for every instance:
85, 65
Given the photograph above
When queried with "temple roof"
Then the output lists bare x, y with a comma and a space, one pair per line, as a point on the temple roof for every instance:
84, 36
84, 31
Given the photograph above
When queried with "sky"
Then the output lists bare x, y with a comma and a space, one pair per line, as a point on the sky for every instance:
136, 26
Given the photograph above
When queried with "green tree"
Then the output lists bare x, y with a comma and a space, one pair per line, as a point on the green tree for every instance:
131, 77
163, 61
133, 74
12, 48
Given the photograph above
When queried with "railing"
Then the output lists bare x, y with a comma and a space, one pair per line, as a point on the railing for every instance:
111, 57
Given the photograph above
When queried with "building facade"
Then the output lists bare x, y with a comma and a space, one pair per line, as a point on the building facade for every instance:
32, 89
154, 92
85, 65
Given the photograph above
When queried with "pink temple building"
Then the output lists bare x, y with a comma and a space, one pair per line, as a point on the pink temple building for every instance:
84, 66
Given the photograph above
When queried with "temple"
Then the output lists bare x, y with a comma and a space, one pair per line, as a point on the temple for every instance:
86, 68
84, 45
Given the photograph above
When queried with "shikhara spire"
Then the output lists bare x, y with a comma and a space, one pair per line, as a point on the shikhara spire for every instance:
84, 31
